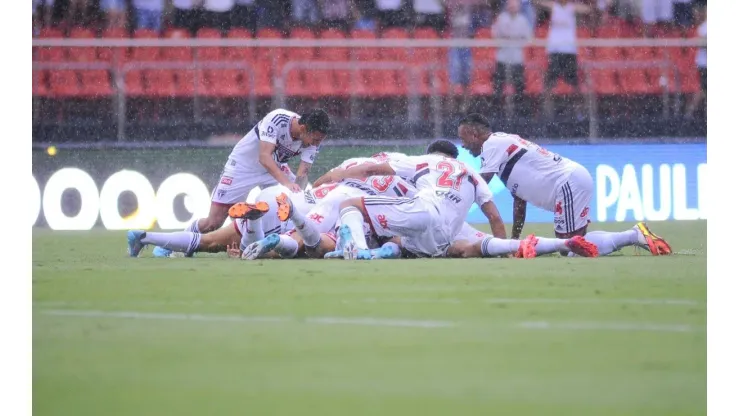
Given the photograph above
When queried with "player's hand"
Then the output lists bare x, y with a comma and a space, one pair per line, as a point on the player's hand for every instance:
233, 251
294, 187
328, 177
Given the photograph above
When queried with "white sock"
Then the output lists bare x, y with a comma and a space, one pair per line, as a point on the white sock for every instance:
492, 247
307, 230
287, 248
551, 245
193, 227
610, 242
352, 217
254, 232
183, 241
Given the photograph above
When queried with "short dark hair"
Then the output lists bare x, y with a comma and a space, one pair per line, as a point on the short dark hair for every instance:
475, 119
445, 147
315, 120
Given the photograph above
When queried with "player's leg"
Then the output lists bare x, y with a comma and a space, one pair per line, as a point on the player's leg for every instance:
639, 236
286, 246
306, 226
531, 246
182, 241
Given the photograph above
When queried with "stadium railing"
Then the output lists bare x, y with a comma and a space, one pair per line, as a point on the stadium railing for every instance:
668, 69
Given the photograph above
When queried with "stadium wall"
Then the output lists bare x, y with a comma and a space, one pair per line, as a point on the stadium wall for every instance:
78, 189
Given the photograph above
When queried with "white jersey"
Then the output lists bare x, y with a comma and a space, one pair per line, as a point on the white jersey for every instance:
449, 184
528, 171
394, 186
273, 128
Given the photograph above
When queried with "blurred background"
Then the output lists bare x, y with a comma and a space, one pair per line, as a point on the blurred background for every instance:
115, 82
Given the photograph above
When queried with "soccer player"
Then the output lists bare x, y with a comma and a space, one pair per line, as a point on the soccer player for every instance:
255, 160
427, 223
548, 181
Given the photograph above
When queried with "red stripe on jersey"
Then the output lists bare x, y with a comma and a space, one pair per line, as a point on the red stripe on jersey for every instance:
421, 166
403, 189
511, 149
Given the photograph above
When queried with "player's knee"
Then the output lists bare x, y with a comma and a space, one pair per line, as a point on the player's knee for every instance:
352, 202
457, 250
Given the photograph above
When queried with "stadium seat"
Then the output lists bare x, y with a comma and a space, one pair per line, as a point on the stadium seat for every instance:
483, 56
51, 54
224, 83
481, 81
134, 83
534, 81
361, 81
208, 53
95, 83
40, 89
112, 55
332, 53
177, 53
189, 82
274, 57
82, 54
64, 83
634, 81
423, 56
159, 83
240, 54
145, 53
604, 81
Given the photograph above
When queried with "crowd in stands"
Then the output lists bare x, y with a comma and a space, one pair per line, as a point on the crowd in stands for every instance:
447, 16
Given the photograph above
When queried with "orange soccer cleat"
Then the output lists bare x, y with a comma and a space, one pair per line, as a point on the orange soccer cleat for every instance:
651, 241
579, 246
248, 211
285, 207
527, 247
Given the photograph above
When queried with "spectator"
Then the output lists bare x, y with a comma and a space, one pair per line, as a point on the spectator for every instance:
655, 12
683, 15
511, 25
430, 13
305, 12
460, 59
562, 49
244, 14
42, 11
115, 12
186, 14
217, 14
336, 13
148, 14
391, 13
363, 12
701, 62
527, 9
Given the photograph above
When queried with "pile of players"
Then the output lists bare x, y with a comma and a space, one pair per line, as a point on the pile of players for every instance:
391, 205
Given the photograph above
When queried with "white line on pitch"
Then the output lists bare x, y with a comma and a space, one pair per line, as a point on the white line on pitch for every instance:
573, 301
388, 322
608, 326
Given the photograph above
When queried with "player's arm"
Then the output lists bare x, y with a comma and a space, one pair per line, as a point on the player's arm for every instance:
487, 176
266, 160
356, 172
302, 175
494, 219
520, 214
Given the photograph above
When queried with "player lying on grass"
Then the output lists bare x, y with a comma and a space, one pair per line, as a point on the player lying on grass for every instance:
427, 223
252, 222
548, 181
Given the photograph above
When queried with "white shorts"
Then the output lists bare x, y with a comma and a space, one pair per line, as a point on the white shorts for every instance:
325, 214
270, 222
416, 221
573, 202
657, 11
236, 184
470, 234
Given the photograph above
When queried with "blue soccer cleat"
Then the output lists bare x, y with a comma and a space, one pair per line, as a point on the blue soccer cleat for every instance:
389, 250
346, 243
336, 254
134, 242
261, 247
161, 252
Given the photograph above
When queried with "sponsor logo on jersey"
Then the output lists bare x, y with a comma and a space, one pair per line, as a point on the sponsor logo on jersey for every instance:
226, 180
450, 196
221, 193
559, 208
316, 218
382, 221
584, 212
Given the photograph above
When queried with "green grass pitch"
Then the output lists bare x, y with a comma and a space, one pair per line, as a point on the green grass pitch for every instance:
619, 335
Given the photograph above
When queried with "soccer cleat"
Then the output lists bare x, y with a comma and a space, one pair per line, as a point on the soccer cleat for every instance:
651, 241
580, 247
134, 242
387, 251
527, 248
161, 252
285, 207
336, 254
364, 255
261, 247
346, 243
248, 211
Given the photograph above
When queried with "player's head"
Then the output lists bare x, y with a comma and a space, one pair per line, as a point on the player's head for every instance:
473, 130
444, 147
314, 127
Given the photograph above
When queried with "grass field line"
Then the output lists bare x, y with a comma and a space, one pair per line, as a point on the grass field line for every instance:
559, 301
376, 322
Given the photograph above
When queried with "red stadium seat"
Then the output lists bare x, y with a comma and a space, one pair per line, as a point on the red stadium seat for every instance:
239, 54
361, 79
209, 53
145, 53
483, 56
112, 55
481, 83
40, 89
177, 53
95, 83
64, 83
224, 83
159, 83
51, 54
534, 83
189, 82
605, 81
274, 57
634, 81
134, 83
82, 54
